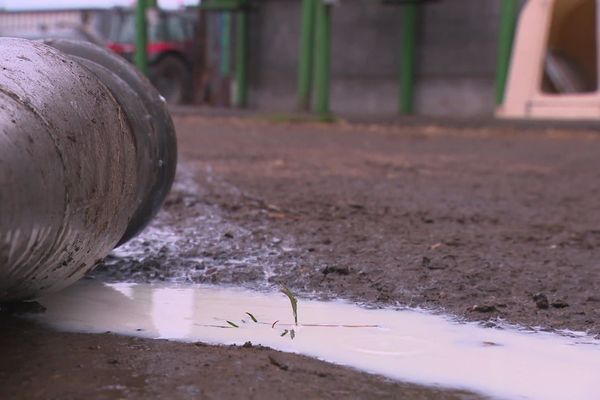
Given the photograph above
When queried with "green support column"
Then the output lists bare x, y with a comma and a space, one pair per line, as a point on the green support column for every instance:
305, 60
225, 66
407, 58
241, 60
508, 21
141, 36
322, 57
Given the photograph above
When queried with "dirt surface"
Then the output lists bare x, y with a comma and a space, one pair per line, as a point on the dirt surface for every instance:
492, 224
484, 223
39, 364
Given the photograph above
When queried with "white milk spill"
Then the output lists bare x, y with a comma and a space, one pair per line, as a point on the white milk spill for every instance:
406, 345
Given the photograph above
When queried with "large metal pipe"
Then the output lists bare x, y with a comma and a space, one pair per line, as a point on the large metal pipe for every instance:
87, 156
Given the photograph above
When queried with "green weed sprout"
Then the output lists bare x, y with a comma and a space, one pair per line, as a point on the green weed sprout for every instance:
293, 300
251, 316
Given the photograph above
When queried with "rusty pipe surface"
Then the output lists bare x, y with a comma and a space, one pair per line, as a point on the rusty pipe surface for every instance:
87, 156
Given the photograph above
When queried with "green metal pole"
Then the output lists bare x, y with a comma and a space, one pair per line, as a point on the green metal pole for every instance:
322, 57
241, 59
141, 37
407, 59
508, 21
305, 61
225, 67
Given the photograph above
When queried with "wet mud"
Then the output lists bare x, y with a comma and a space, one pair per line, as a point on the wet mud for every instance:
405, 345
485, 223
38, 363
488, 224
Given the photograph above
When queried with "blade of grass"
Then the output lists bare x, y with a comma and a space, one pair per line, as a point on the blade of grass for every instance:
274, 323
251, 316
293, 300
232, 324
292, 334
284, 333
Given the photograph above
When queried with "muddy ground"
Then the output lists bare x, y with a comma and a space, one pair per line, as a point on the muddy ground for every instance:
486, 223
39, 364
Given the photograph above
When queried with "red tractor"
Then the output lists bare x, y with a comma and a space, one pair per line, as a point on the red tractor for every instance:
170, 46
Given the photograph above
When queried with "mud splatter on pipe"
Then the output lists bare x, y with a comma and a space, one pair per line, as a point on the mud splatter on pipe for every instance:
87, 156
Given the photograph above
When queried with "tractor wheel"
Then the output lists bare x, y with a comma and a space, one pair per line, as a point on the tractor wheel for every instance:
171, 78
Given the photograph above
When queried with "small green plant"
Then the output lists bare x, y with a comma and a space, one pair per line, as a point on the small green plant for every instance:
251, 316
293, 300
233, 324
292, 333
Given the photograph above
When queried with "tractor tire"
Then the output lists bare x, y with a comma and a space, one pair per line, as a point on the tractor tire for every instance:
171, 77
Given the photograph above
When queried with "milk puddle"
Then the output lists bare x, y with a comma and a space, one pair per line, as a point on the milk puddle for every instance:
406, 345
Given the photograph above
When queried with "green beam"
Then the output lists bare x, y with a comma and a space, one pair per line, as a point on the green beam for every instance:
141, 37
508, 21
322, 56
223, 5
241, 60
407, 58
305, 60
